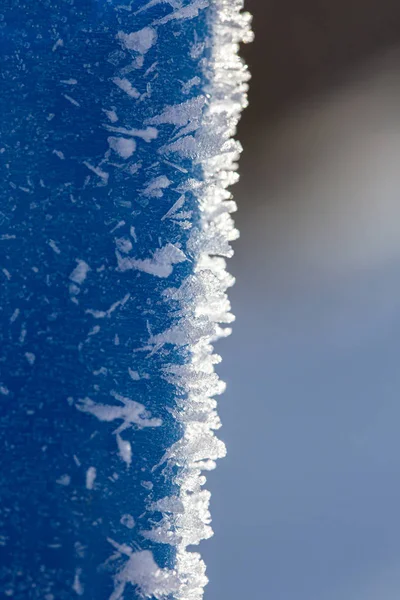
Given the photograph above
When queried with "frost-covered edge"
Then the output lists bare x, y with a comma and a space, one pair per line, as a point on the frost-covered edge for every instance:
204, 306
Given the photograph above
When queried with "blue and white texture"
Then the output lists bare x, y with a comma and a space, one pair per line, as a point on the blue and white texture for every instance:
116, 152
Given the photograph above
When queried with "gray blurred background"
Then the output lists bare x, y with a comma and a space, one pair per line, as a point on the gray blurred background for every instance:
306, 505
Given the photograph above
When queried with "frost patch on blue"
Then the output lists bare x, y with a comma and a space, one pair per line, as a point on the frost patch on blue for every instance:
104, 231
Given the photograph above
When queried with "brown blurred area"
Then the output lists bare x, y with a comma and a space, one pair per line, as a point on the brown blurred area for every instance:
324, 95
305, 46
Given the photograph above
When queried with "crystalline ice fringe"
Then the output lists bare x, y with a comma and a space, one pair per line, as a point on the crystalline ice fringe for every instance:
203, 301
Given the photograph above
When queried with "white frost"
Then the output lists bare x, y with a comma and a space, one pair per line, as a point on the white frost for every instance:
59, 154
54, 246
111, 115
126, 86
91, 474
125, 450
124, 245
124, 147
72, 100
128, 411
131, 412
148, 134
199, 129
134, 374
178, 204
77, 585
15, 315
204, 128
186, 147
187, 12
160, 264
155, 187
97, 171
59, 43
187, 85
102, 314
64, 480
180, 114
139, 41
142, 571
151, 3
128, 521
80, 272
30, 357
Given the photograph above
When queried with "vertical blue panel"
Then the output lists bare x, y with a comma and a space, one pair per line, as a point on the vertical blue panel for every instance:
83, 193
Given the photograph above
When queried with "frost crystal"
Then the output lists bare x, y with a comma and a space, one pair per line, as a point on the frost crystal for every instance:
90, 477
129, 413
160, 265
203, 306
139, 41
142, 571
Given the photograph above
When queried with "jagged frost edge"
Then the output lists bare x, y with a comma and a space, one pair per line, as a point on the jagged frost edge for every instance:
204, 307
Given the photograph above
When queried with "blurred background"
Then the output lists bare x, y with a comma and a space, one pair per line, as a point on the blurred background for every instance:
306, 504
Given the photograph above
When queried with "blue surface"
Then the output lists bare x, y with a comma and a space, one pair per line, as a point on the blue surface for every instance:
55, 211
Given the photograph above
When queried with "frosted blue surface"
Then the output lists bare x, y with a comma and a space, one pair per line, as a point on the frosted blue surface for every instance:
74, 203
